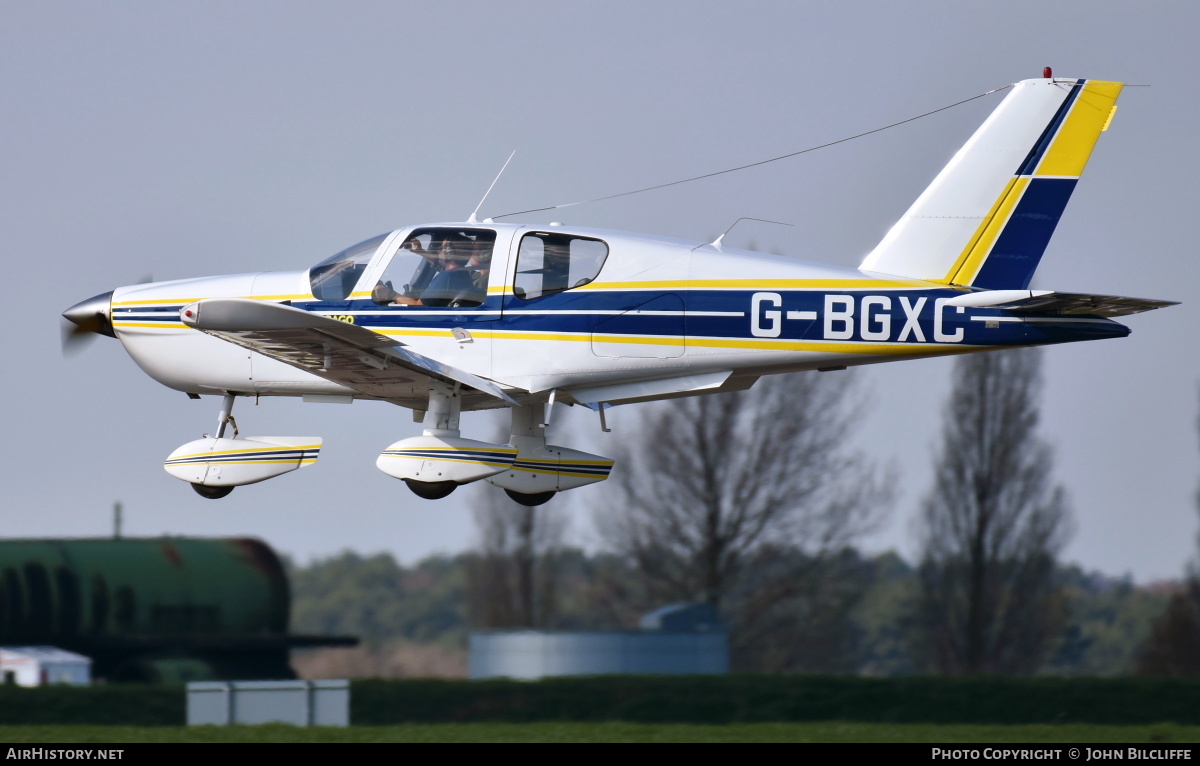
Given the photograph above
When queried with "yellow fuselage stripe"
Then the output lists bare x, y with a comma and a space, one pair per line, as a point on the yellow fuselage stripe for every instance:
185, 301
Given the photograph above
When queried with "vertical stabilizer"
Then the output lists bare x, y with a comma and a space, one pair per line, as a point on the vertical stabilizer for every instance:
987, 217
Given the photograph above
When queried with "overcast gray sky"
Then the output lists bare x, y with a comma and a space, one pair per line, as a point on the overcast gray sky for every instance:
204, 138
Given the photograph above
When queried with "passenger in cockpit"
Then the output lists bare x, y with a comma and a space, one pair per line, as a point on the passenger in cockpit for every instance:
480, 264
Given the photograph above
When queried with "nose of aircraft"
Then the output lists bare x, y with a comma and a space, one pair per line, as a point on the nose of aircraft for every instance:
90, 316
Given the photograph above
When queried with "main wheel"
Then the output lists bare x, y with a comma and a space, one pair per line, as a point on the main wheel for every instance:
212, 493
431, 490
538, 498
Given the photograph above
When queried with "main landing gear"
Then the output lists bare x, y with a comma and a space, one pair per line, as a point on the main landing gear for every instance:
528, 469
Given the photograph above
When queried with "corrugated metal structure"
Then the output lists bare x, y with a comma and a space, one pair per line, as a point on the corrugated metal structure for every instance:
531, 654
42, 665
248, 703
153, 609
677, 639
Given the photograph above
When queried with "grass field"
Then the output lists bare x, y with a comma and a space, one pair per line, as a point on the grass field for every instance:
612, 732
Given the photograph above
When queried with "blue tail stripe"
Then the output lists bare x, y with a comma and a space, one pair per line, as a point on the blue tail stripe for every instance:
1019, 248
1043, 143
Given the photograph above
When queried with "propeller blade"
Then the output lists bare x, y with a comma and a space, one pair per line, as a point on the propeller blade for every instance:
74, 338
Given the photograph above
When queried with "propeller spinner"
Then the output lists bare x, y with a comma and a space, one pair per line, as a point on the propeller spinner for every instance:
88, 317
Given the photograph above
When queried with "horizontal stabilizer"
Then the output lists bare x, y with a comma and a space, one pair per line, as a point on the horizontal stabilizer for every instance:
1042, 302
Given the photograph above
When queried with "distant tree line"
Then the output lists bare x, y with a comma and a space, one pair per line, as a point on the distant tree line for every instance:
426, 605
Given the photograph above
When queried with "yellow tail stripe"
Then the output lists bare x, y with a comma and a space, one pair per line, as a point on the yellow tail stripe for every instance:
981, 247
1078, 135
962, 258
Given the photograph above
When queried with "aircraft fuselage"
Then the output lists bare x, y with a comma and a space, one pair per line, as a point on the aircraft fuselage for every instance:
655, 308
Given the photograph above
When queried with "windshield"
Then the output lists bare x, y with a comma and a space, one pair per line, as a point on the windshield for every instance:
333, 278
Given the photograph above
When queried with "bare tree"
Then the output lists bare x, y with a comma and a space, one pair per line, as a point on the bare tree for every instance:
992, 526
738, 499
1170, 650
511, 580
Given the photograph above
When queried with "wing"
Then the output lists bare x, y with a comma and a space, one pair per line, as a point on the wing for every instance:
353, 356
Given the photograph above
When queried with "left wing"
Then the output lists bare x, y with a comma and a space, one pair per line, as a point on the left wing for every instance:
353, 356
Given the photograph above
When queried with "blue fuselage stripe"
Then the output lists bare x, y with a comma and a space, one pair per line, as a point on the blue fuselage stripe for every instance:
903, 316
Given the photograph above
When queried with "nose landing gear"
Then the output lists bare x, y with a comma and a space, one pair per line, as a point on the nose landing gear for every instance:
215, 465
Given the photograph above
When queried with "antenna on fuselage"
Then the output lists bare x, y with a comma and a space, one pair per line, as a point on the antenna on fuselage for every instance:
473, 219
717, 242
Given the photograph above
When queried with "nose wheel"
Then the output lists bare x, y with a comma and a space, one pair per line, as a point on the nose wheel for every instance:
214, 465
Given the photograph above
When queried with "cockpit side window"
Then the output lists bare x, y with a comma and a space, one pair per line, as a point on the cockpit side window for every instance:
439, 266
549, 263
335, 277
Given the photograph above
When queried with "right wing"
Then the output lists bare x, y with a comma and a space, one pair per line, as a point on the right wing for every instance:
353, 356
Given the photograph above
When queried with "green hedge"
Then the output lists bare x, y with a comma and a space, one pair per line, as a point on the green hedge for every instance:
105, 705
682, 699
755, 698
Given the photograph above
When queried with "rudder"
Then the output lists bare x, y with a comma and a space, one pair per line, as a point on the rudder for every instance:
986, 219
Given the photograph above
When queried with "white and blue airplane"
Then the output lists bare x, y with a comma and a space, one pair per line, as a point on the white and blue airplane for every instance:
442, 318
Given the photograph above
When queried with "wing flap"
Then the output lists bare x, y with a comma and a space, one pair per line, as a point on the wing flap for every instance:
353, 356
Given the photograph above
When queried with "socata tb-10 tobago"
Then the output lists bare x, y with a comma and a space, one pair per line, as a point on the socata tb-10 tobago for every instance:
442, 318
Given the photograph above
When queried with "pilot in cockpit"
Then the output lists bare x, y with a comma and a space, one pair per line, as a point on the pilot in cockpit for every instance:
454, 273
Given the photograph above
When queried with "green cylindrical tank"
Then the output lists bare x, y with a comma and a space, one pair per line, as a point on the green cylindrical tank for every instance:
140, 588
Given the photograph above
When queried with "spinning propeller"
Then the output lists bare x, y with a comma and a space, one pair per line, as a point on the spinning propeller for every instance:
88, 318
85, 319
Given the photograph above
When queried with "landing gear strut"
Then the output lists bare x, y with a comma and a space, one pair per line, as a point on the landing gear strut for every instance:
438, 461
441, 419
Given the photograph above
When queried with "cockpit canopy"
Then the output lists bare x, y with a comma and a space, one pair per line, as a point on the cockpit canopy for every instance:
335, 277
451, 265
